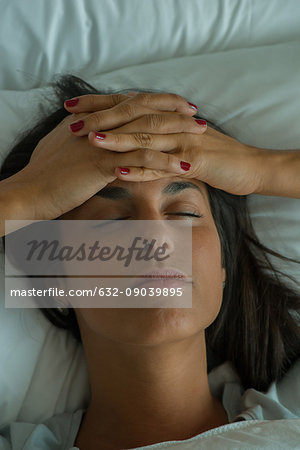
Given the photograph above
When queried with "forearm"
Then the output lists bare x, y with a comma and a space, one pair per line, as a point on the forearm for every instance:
280, 173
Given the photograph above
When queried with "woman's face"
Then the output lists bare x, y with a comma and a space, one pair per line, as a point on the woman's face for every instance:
159, 200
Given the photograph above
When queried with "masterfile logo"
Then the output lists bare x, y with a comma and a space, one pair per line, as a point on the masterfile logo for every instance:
123, 263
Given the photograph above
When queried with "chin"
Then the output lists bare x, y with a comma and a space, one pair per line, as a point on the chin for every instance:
153, 326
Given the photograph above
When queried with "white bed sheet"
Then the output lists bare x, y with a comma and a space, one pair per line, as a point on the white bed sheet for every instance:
87, 37
251, 88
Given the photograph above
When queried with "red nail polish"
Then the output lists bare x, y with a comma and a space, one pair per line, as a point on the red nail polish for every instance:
71, 103
185, 165
203, 123
192, 105
124, 170
76, 126
99, 136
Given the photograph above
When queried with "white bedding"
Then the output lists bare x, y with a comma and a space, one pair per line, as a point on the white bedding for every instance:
40, 37
243, 73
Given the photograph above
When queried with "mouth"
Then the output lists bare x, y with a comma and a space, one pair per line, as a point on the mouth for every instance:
165, 277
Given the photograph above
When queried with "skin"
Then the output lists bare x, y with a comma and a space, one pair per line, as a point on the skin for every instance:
147, 366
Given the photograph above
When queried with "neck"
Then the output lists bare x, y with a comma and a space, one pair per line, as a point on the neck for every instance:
147, 394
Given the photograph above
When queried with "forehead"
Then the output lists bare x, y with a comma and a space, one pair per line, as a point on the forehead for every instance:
119, 189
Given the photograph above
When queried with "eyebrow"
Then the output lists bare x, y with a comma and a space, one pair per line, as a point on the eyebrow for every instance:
120, 193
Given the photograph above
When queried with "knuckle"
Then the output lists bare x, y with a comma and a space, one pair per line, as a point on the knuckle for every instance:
118, 139
90, 99
143, 139
169, 162
127, 110
116, 99
143, 97
141, 171
154, 121
95, 120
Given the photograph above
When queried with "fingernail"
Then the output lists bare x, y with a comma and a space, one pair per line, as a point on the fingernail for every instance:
193, 106
185, 165
124, 170
201, 122
99, 136
76, 126
72, 102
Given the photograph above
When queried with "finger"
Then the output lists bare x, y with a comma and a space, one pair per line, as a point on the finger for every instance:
150, 159
164, 102
164, 123
109, 118
141, 174
150, 121
94, 102
134, 141
157, 101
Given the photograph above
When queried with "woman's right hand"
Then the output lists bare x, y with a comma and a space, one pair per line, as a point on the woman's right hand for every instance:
65, 171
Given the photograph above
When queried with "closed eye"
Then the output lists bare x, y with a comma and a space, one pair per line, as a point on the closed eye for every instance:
185, 214
169, 214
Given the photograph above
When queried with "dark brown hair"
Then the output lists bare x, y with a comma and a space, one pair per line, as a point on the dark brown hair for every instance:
257, 328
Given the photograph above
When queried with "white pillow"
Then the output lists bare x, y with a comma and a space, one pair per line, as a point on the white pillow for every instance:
39, 365
42, 37
254, 94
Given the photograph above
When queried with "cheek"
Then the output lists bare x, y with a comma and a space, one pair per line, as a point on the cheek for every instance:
207, 274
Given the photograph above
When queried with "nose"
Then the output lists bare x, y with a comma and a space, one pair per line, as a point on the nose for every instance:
170, 242
152, 225
158, 234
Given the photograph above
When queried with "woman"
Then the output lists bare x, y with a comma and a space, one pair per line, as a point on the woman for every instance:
148, 367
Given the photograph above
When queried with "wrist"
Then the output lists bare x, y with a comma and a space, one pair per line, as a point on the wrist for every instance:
17, 199
273, 180
13, 205
254, 165
261, 161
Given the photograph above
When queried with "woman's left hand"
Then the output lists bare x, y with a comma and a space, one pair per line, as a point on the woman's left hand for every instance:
215, 158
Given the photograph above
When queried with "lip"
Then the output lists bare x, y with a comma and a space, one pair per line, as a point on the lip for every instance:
166, 276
